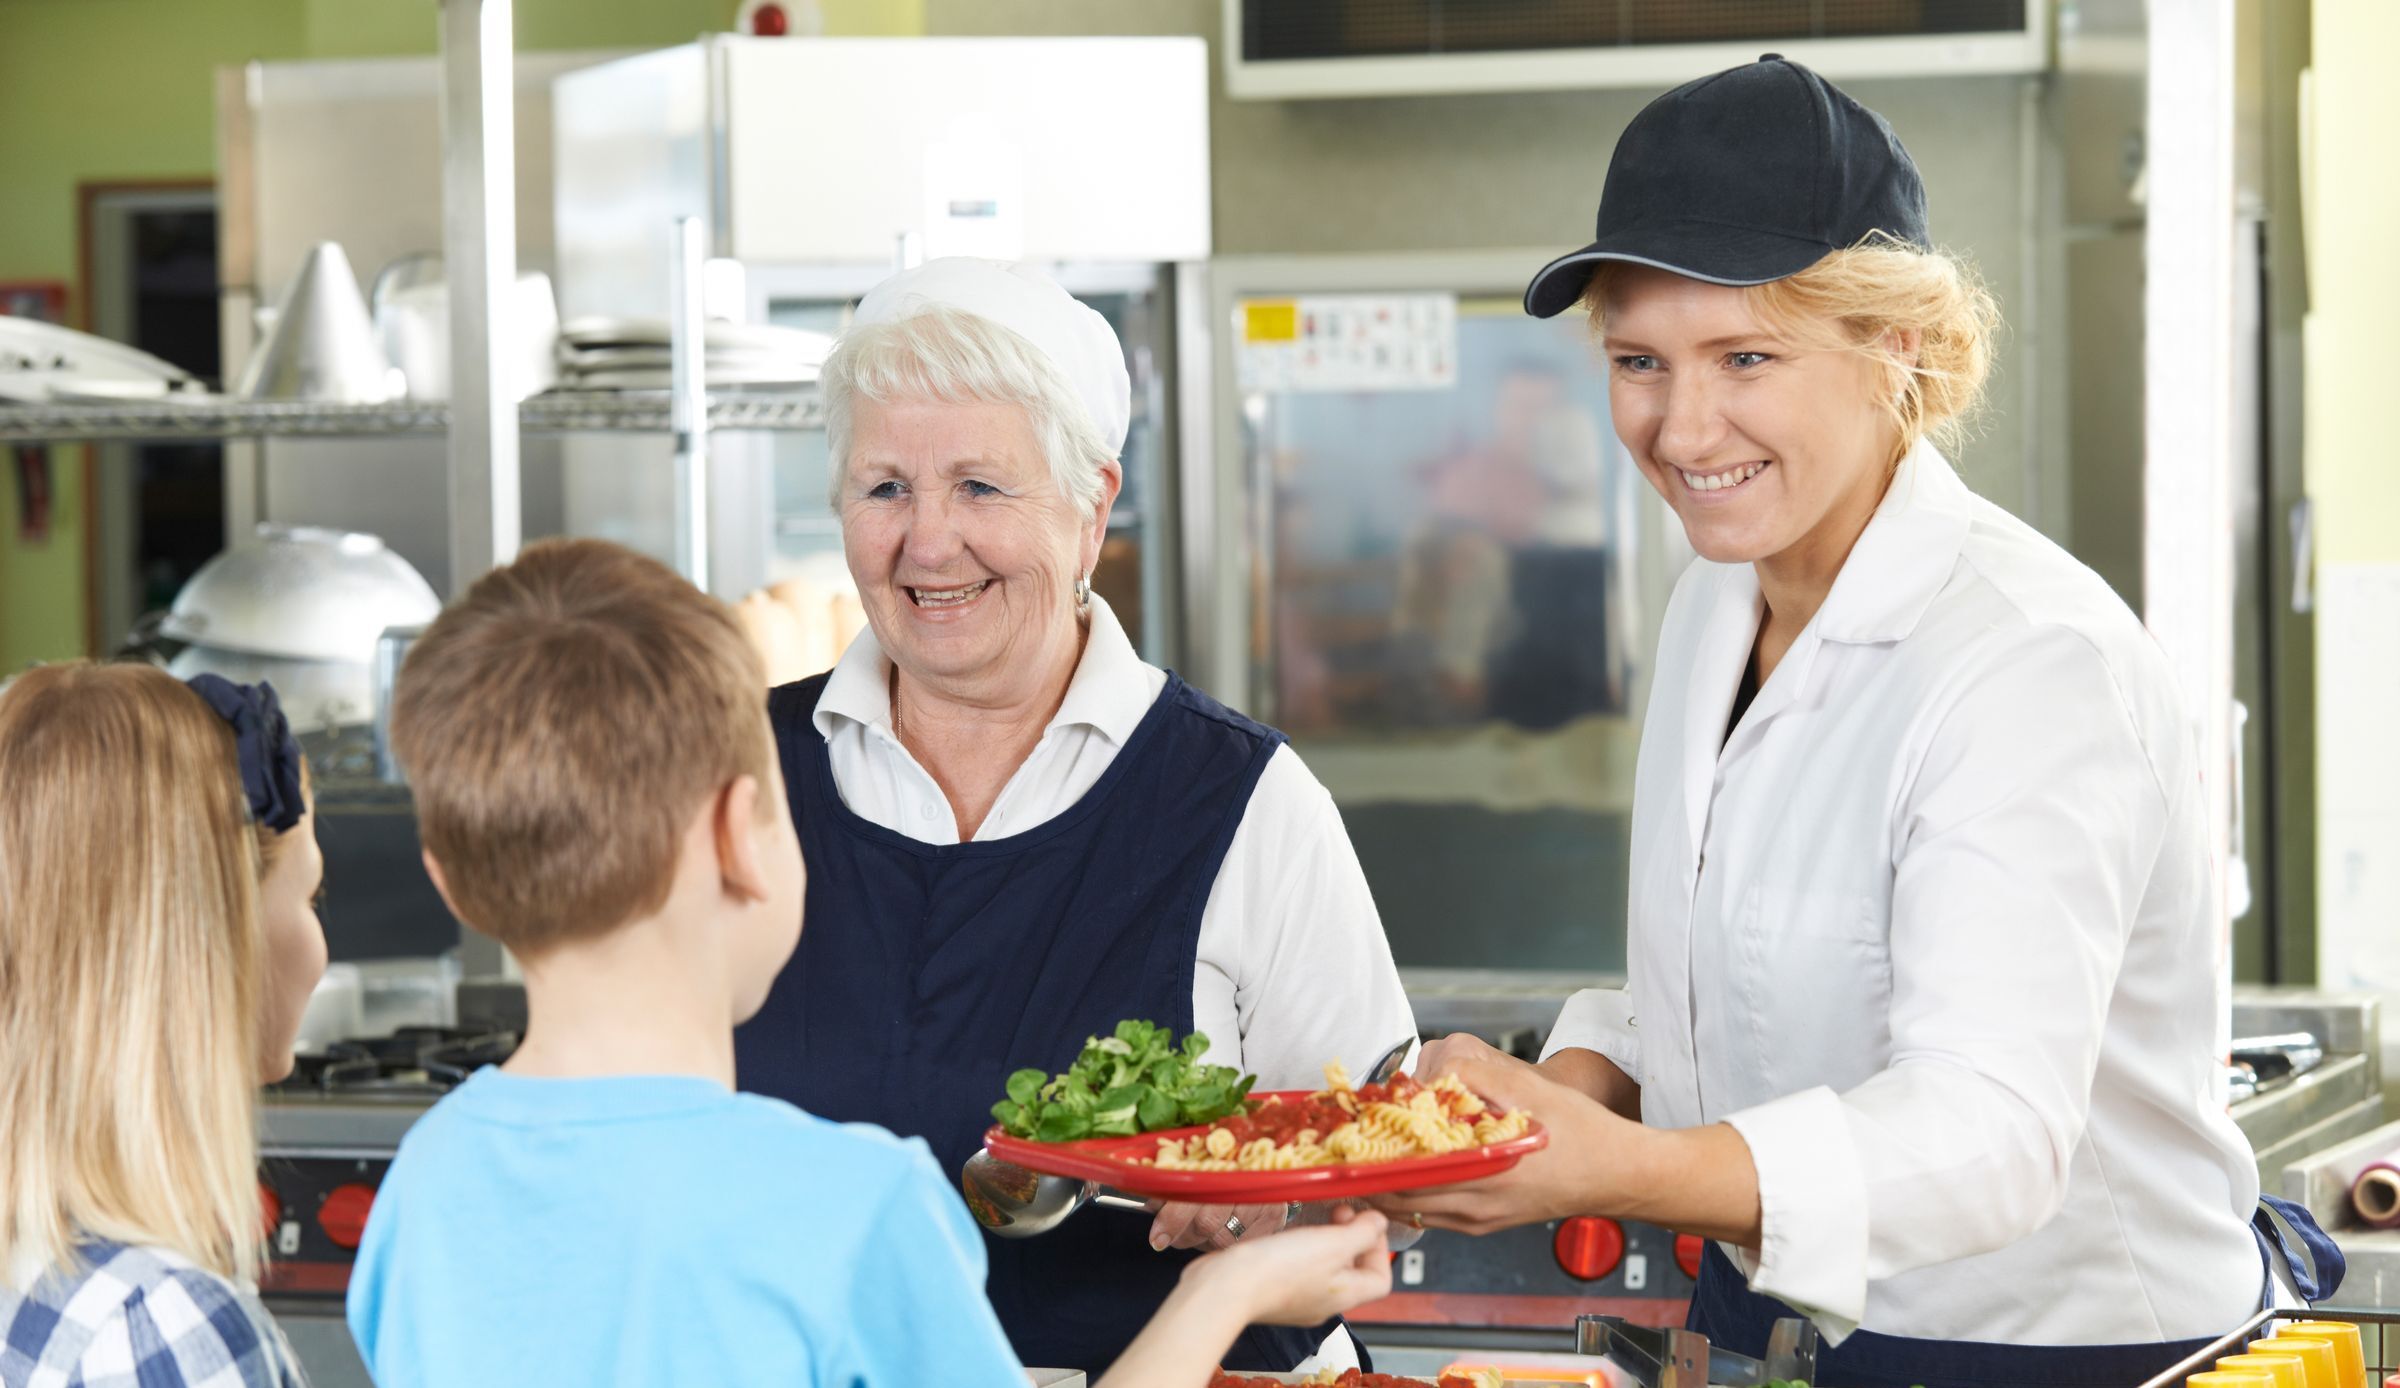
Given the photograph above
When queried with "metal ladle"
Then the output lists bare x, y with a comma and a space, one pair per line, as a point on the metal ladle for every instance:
1015, 1203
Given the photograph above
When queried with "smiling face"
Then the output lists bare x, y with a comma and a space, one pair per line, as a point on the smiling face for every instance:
294, 939
965, 552
1767, 449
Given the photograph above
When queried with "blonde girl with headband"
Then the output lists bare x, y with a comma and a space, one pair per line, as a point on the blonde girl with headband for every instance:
158, 942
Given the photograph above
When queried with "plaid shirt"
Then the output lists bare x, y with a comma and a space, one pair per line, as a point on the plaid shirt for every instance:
139, 1318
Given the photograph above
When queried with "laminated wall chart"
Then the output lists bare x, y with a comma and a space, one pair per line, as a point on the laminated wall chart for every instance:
2358, 796
1349, 342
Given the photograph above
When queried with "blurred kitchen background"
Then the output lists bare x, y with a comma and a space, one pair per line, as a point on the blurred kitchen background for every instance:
1367, 499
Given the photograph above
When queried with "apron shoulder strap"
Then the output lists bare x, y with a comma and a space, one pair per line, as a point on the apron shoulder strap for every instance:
2289, 1231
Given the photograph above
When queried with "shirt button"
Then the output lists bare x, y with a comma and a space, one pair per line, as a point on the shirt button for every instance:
929, 812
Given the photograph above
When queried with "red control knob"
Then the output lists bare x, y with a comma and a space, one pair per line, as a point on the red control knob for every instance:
343, 1216
1589, 1248
1688, 1248
270, 1207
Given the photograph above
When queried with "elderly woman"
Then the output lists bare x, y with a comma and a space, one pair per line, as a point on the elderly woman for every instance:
1922, 922
1016, 832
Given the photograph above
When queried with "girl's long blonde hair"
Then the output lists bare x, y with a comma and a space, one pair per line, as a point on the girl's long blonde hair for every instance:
131, 968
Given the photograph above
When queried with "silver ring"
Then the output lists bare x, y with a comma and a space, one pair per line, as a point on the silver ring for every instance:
1235, 1227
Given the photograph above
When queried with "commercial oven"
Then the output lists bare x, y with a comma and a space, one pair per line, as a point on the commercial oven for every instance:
1424, 555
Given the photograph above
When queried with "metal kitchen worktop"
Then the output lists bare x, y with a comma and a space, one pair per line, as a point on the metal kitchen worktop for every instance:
2292, 1120
2321, 1181
2373, 1278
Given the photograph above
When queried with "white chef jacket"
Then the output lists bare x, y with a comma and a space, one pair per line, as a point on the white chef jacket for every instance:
1935, 931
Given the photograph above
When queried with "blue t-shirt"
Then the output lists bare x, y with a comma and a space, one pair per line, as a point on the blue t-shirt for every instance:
658, 1230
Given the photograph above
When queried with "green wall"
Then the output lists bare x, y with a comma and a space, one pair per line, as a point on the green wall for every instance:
97, 90
2353, 207
114, 90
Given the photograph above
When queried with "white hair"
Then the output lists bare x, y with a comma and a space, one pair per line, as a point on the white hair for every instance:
948, 354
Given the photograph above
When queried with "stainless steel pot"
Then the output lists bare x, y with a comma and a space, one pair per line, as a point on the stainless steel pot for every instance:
302, 593
391, 652
316, 694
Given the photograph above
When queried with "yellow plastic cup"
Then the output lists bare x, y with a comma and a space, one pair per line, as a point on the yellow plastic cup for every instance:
2288, 1370
2230, 1378
2350, 1361
2324, 1364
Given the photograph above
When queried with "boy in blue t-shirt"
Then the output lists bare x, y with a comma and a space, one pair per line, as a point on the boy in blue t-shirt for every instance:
596, 787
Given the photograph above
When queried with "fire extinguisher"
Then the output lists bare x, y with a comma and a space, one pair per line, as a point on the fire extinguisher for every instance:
775, 19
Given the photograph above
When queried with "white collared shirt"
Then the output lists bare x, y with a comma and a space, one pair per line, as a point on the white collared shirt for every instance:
1935, 931
1293, 968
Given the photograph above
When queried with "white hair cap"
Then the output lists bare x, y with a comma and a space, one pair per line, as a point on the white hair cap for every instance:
1077, 340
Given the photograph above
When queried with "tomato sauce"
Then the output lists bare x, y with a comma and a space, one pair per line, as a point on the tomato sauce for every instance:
1283, 1120
1345, 1379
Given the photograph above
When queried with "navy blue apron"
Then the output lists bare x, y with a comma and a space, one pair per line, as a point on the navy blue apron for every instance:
927, 973
1736, 1318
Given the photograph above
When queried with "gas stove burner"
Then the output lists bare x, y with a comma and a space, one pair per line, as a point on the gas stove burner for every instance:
413, 1062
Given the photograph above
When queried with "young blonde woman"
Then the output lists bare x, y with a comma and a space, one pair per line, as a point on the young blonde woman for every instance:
1922, 930
158, 941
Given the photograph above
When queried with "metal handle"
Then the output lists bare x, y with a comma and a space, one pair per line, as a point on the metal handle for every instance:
391, 652
1389, 1063
2292, 1053
2237, 851
398, 269
687, 408
2303, 523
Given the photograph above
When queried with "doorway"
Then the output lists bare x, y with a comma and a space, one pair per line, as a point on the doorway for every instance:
155, 512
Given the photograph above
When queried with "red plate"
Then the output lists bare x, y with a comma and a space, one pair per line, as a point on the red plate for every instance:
1111, 1161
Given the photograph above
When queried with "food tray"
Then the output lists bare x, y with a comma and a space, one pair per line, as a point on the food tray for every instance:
1414, 1379
1112, 1162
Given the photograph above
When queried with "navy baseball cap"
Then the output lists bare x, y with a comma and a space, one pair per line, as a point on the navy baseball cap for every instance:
1747, 176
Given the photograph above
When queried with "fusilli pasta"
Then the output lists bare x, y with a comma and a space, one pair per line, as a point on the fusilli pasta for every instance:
1344, 1125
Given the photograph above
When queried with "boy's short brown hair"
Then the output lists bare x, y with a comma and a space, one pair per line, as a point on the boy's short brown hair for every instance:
559, 726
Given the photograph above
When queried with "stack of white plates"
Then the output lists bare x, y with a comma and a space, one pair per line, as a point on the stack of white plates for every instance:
633, 354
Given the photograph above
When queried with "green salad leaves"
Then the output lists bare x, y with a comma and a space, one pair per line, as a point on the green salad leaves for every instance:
1136, 1081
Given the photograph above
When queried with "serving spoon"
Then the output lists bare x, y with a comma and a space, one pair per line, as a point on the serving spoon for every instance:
1015, 1203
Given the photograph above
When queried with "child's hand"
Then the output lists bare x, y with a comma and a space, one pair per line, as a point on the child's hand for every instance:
1303, 1276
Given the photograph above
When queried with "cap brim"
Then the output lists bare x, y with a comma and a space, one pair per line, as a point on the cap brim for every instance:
1695, 250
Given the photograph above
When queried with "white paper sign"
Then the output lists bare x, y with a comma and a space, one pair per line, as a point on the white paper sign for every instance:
1348, 342
2358, 797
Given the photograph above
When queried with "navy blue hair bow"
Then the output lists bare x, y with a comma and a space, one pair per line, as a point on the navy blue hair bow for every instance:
263, 741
